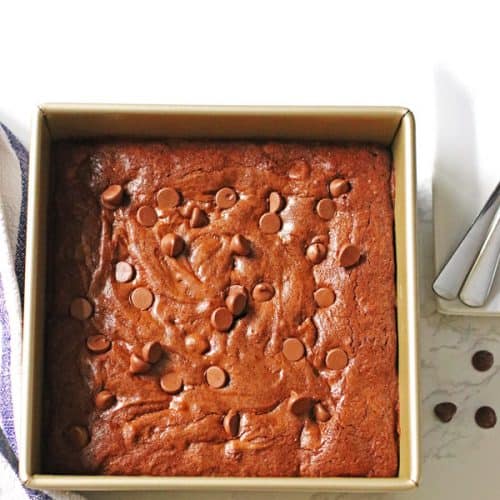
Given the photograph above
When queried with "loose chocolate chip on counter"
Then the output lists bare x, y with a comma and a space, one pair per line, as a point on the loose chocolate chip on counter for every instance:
349, 255
81, 309
98, 344
486, 417
324, 297
152, 352
104, 400
276, 202
236, 302
300, 405
445, 411
270, 223
112, 196
77, 437
146, 216
221, 319
226, 197
240, 245
198, 218
172, 245
171, 383
263, 292
320, 413
142, 298
482, 360
336, 359
316, 253
124, 272
232, 423
167, 198
339, 187
195, 343
325, 208
138, 365
293, 349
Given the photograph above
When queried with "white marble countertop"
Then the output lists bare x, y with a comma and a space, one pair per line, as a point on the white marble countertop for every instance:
322, 53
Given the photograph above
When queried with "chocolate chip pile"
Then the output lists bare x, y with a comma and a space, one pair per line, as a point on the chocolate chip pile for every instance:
485, 416
224, 312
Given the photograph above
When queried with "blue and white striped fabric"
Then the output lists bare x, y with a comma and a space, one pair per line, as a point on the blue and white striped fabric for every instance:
13, 191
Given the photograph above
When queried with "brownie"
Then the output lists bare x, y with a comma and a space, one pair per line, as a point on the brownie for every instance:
221, 309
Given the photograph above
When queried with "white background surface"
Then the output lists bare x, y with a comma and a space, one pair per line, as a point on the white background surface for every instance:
311, 52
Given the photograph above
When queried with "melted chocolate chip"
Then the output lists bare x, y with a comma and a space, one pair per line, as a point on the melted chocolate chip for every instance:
226, 198
221, 319
171, 383
263, 292
167, 198
216, 377
336, 359
300, 405
172, 245
325, 208
339, 187
293, 349
124, 272
324, 297
142, 298
77, 437
270, 223
112, 196
276, 202
349, 255
236, 303
98, 344
316, 253
146, 216
320, 413
240, 245
104, 400
232, 423
152, 352
198, 218
138, 365
81, 309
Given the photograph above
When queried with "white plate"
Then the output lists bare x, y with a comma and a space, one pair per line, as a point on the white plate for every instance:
459, 194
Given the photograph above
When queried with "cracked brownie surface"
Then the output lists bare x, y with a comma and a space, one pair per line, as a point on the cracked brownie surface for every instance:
221, 308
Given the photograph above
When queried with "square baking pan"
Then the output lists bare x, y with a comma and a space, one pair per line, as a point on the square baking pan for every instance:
390, 126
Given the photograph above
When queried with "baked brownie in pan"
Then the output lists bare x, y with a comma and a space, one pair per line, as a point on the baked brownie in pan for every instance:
221, 308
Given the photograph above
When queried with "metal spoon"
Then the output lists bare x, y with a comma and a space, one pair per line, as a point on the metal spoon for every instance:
478, 283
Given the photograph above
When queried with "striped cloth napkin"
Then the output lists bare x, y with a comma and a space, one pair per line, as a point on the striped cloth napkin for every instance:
13, 189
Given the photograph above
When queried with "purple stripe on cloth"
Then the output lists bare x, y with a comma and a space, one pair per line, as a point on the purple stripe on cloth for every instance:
22, 156
5, 385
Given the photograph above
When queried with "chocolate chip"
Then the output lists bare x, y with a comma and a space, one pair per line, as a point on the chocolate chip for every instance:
98, 344
112, 196
339, 187
482, 360
146, 216
325, 208
221, 319
236, 302
445, 411
263, 292
195, 343
216, 377
300, 405
105, 400
226, 197
270, 223
138, 365
124, 272
320, 413
336, 359
152, 352
81, 309
316, 253
232, 423
349, 255
172, 245
167, 198
240, 245
77, 437
142, 298
276, 202
198, 218
171, 383
293, 349
324, 297
486, 417
187, 210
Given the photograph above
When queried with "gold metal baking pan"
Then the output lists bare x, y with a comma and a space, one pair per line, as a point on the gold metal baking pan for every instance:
391, 126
